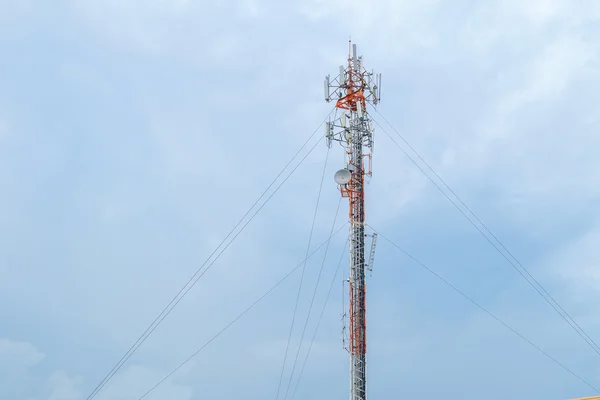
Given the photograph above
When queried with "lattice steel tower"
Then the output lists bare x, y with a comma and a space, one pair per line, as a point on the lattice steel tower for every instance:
352, 89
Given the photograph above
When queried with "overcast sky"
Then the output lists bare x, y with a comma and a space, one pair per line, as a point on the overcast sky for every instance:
135, 134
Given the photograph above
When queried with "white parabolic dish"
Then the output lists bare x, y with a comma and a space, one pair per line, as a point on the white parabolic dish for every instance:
342, 177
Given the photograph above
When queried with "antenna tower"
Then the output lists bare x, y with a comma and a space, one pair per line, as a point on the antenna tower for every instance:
352, 89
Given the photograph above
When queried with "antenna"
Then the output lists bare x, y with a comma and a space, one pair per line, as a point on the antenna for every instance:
353, 129
372, 253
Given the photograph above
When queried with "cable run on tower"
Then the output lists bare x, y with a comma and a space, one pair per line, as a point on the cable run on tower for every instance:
352, 90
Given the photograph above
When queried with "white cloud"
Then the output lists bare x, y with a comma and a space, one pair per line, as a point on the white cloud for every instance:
135, 381
63, 387
18, 362
149, 28
200, 101
577, 263
18, 357
550, 74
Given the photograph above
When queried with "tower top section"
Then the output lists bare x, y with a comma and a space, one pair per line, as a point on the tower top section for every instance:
354, 86
352, 89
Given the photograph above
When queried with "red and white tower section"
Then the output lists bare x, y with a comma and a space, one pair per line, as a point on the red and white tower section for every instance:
352, 90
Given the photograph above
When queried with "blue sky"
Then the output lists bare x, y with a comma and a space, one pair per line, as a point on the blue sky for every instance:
134, 134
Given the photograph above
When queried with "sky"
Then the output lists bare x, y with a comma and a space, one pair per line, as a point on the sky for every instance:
135, 134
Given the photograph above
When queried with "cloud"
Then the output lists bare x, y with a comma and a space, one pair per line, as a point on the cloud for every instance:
63, 387
24, 377
575, 263
18, 357
139, 132
135, 381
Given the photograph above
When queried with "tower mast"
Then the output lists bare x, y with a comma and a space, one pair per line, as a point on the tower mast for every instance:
352, 89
